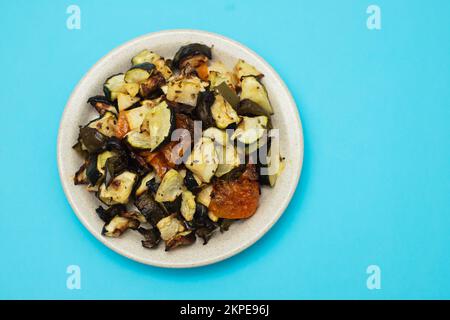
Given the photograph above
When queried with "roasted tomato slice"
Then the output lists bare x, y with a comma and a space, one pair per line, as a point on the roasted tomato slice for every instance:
236, 199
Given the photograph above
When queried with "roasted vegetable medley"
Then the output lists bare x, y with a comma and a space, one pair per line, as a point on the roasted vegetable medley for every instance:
180, 148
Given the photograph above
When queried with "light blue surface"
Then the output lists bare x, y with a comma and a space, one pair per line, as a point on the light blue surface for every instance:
375, 185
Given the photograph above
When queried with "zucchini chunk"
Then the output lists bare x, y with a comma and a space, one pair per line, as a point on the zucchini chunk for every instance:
118, 225
151, 57
216, 135
188, 205
243, 69
119, 190
136, 116
203, 160
219, 74
255, 91
156, 129
114, 85
270, 171
204, 196
143, 183
125, 101
171, 187
185, 90
139, 72
250, 129
169, 227
188, 51
223, 113
228, 94
228, 159
152, 85
132, 89
102, 104
106, 124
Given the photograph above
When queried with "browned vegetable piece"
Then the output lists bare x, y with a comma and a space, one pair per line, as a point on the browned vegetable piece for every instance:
236, 199
122, 127
152, 84
181, 239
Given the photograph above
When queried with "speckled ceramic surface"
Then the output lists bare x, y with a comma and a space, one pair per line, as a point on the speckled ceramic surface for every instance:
242, 234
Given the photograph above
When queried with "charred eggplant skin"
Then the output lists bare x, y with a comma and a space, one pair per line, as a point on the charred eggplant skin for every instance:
92, 139
102, 104
151, 209
190, 50
107, 214
190, 182
203, 110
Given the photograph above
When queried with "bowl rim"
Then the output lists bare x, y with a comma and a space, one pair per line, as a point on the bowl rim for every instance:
220, 257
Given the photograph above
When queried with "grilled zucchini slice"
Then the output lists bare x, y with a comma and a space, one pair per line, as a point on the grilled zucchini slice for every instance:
114, 85
143, 183
139, 73
156, 128
151, 57
255, 91
106, 124
228, 159
125, 101
136, 116
119, 190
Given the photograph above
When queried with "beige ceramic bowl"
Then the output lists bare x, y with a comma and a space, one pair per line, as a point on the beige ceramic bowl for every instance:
242, 234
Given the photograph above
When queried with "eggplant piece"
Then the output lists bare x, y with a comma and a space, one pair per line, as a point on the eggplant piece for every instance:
134, 215
92, 140
255, 91
223, 113
119, 190
151, 209
203, 110
80, 149
205, 234
189, 51
81, 176
191, 181
243, 69
118, 225
203, 160
153, 185
184, 90
250, 129
125, 101
105, 124
139, 73
224, 224
151, 57
102, 104
171, 187
95, 170
114, 85
249, 108
172, 206
148, 87
181, 239
180, 108
228, 94
152, 237
107, 214
156, 129
188, 205
113, 166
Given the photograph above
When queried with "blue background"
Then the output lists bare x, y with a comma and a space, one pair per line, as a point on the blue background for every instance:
375, 185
